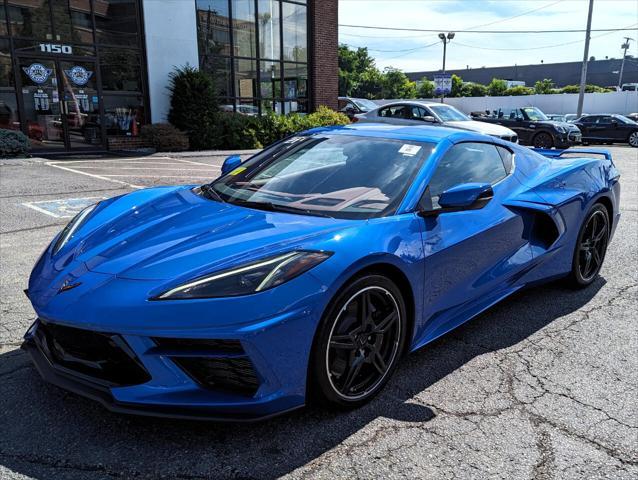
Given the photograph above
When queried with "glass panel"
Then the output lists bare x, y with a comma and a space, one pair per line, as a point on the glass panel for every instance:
81, 103
267, 106
295, 27
116, 21
6, 70
270, 79
123, 114
299, 106
42, 112
269, 25
247, 106
213, 27
30, 19
245, 78
219, 70
8, 103
29, 46
244, 28
295, 80
72, 21
120, 69
3, 21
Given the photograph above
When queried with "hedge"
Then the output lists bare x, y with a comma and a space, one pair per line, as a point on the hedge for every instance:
13, 143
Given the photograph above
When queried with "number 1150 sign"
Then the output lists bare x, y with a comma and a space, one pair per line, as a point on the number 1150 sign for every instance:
56, 48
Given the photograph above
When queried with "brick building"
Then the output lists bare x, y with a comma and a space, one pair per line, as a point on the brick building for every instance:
87, 74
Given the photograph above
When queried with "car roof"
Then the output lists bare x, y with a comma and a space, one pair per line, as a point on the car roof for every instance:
419, 133
411, 102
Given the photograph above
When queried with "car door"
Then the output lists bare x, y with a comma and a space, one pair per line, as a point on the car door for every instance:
585, 124
470, 255
604, 128
396, 114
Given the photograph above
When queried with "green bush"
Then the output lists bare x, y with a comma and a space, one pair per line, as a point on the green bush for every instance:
473, 90
192, 100
13, 143
588, 89
497, 87
519, 90
164, 137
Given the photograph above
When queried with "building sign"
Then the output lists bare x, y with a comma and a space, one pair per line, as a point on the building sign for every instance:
38, 73
56, 48
79, 75
41, 101
442, 83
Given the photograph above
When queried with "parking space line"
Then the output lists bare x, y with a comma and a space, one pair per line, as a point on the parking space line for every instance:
156, 176
194, 163
100, 177
174, 169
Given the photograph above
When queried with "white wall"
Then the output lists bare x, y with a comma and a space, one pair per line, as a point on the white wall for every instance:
562, 103
171, 41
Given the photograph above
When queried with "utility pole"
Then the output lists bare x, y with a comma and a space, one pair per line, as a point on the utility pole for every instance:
583, 72
445, 39
625, 47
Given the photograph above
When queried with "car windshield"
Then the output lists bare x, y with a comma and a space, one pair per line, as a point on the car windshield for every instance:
364, 104
341, 176
448, 114
534, 114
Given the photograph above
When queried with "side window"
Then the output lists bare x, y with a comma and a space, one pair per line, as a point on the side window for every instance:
467, 163
417, 113
604, 119
507, 157
343, 104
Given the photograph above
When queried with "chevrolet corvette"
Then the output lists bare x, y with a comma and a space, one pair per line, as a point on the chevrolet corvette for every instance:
307, 271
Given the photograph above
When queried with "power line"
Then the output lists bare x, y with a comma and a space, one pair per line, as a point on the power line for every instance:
515, 16
398, 29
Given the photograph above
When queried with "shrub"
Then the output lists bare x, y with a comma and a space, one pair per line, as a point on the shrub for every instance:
519, 90
544, 86
497, 87
588, 89
426, 88
193, 99
164, 137
473, 90
13, 143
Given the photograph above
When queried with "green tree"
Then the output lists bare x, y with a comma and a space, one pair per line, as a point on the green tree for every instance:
544, 86
457, 86
396, 84
370, 84
425, 88
193, 102
497, 87
473, 90
353, 65
519, 90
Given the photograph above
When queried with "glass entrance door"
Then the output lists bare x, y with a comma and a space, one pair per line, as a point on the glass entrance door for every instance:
61, 104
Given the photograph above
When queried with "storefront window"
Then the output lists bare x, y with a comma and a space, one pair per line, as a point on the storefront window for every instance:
30, 19
258, 79
3, 21
269, 25
213, 21
8, 104
123, 114
121, 70
116, 22
72, 21
295, 26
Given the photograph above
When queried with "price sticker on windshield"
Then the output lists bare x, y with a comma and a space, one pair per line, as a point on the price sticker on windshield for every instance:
407, 149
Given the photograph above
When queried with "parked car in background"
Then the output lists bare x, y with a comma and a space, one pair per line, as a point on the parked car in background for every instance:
633, 116
556, 117
534, 128
572, 117
608, 128
629, 87
353, 106
418, 113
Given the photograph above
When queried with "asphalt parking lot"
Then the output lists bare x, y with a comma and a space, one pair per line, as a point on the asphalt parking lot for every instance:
542, 386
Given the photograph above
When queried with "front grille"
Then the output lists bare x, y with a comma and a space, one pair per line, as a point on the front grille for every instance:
214, 364
104, 357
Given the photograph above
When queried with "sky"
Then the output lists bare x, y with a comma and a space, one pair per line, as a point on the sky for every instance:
420, 51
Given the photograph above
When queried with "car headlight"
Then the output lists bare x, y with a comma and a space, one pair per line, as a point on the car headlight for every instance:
560, 128
72, 227
250, 278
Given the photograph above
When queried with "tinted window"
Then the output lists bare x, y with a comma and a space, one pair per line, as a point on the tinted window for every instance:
396, 111
604, 119
417, 113
507, 157
467, 163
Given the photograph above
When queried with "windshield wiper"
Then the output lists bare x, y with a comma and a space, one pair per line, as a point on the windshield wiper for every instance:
277, 207
209, 192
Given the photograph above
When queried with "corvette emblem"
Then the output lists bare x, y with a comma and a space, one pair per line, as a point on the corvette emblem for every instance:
67, 285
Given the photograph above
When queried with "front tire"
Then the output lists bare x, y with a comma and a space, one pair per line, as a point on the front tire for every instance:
633, 139
591, 247
359, 342
543, 140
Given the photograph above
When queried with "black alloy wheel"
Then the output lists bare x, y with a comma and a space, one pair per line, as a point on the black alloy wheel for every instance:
590, 247
360, 341
543, 140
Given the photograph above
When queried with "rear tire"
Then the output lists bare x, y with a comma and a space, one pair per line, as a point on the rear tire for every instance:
633, 139
543, 140
591, 247
358, 343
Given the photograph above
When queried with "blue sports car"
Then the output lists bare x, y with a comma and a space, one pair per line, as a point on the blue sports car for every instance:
307, 271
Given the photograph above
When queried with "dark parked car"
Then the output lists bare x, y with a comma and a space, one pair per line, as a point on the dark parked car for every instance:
354, 106
632, 116
607, 128
533, 127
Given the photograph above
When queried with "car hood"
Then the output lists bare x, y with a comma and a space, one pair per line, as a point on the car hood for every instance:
481, 127
180, 233
566, 125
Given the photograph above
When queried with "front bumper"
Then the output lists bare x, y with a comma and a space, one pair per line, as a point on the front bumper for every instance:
151, 380
571, 138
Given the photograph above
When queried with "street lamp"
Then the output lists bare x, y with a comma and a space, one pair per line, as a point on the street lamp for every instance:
445, 39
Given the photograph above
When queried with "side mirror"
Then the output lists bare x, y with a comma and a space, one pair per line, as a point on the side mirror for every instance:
429, 119
465, 196
230, 164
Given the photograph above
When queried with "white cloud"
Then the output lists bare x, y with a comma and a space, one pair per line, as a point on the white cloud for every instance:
451, 15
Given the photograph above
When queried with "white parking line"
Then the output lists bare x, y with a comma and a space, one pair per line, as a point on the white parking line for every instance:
194, 163
157, 176
100, 177
147, 168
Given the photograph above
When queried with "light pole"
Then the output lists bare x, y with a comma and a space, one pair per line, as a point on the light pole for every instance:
445, 39
583, 71
625, 47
